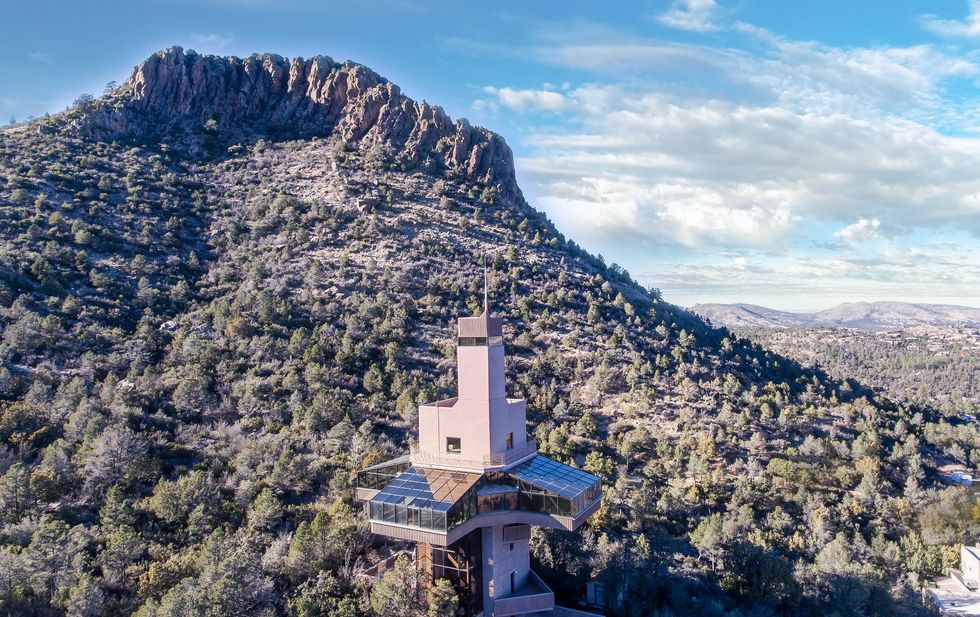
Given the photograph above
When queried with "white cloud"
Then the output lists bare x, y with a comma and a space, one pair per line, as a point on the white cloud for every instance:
863, 229
696, 15
528, 100
816, 133
213, 41
819, 76
700, 216
41, 57
803, 74
625, 55
756, 170
738, 175
969, 28
793, 281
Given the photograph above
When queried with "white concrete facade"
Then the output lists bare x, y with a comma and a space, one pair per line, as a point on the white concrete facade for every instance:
506, 565
970, 566
481, 417
959, 593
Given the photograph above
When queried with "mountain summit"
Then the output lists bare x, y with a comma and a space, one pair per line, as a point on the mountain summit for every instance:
175, 93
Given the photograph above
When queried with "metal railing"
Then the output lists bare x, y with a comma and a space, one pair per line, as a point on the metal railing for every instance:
449, 460
446, 402
496, 459
514, 454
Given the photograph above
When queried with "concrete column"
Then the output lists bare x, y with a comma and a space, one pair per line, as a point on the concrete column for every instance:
480, 373
503, 557
488, 586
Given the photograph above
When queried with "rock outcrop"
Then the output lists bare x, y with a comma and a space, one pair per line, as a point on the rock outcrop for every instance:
174, 92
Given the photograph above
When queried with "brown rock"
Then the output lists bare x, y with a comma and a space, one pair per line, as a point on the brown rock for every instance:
177, 93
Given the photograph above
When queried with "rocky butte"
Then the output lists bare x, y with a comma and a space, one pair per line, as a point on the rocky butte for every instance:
236, 99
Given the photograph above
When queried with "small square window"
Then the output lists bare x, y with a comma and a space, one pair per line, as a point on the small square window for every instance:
510, 440
453, 445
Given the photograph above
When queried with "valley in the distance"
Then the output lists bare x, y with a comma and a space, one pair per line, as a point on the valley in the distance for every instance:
926, 355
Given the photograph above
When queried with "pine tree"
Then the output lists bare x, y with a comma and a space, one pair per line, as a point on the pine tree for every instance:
443, 601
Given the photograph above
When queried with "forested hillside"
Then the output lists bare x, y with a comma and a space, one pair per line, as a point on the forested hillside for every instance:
226, 285
931, 366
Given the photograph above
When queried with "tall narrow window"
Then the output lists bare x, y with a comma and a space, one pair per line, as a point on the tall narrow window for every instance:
453, 445
510, 440
513, 583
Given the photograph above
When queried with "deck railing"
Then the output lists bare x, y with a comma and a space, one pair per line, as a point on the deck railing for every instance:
496, 459
510, 456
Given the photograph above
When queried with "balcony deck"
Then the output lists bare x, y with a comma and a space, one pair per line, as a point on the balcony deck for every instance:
533, 597
497, 460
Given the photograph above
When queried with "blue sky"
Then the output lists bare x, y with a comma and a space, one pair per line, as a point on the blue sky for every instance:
792, 154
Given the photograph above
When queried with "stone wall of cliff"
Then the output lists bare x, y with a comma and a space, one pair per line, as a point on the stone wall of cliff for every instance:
174, 92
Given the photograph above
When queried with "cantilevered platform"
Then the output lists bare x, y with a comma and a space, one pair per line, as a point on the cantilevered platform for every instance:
439, 506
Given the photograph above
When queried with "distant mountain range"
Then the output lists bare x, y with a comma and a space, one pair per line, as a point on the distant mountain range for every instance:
857, 315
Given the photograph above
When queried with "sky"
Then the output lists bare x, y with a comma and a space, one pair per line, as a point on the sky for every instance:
789, 154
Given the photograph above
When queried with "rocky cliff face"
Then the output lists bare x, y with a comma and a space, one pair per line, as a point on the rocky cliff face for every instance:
174, 92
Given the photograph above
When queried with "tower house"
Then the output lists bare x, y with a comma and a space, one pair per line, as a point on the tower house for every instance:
474, 484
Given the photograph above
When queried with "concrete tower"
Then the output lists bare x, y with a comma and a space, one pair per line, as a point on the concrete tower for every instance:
474, 484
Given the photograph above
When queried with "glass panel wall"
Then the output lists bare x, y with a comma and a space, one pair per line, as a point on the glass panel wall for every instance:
548, 486
400, 514
376, 478
425, 498
440, 500
461, 563
463, 509
497, 502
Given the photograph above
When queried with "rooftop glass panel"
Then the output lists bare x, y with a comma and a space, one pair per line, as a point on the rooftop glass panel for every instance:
421, 497
555, 477
377, 477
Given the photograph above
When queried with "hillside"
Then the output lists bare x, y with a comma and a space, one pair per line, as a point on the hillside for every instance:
931, 366
224, 288
855, 315
920, 354
737, 316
